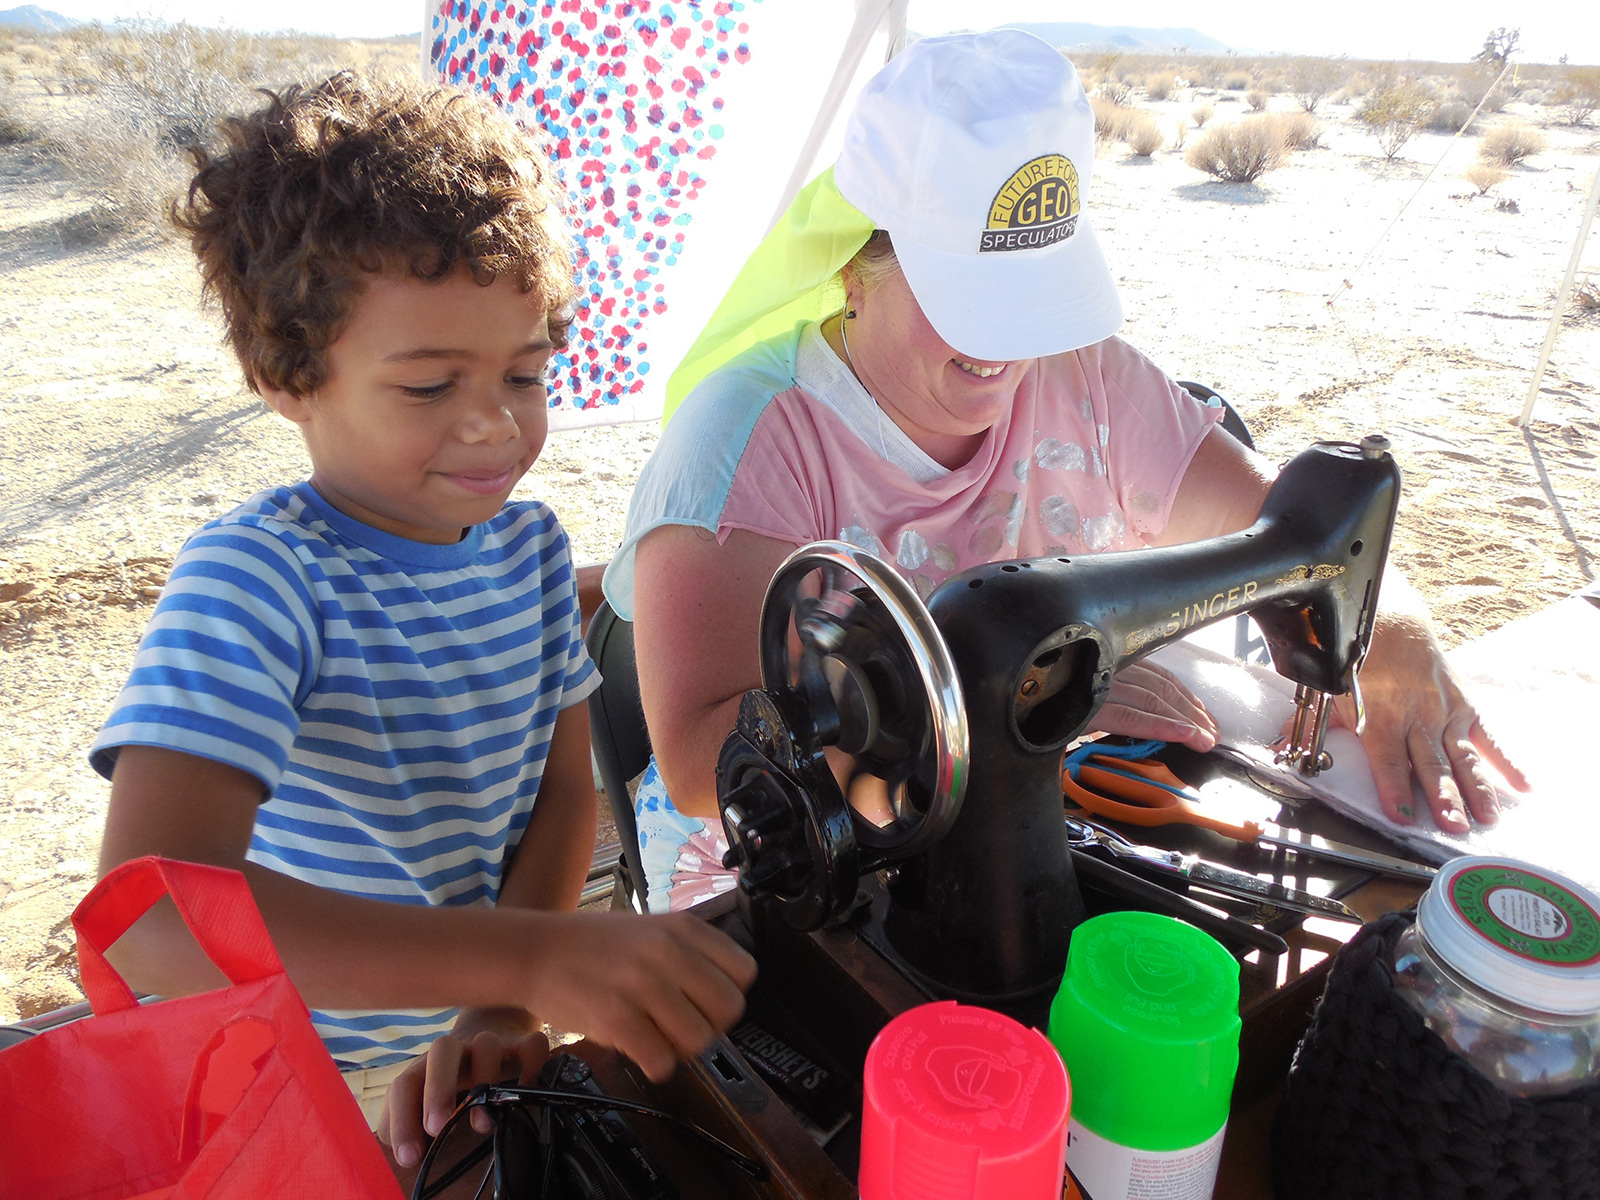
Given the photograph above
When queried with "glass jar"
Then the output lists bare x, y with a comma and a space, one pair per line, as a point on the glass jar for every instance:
1503, 963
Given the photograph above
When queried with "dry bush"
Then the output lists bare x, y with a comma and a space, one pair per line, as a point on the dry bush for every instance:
1507, 145
1450, 116
1394, 111
1298, 130
1181, 134
1257, 100
1484, 176
1311, 79
1160, 85
1577, 95
1586, 298
1143, 134
1110, 120
1238, 152
14, 125
1200, 114
157, 89
1236, 82
1118, 91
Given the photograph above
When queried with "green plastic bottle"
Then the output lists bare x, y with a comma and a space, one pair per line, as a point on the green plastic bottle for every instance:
1147, 1022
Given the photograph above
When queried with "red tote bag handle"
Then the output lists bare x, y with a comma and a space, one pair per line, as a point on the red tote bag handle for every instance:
214, 902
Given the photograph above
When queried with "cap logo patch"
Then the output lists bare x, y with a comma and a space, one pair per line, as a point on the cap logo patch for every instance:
1038, 206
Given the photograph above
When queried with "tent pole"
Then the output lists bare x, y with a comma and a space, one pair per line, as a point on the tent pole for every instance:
869, 18
1561, 300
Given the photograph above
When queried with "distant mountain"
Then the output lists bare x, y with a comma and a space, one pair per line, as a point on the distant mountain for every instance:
1130, 39
34, 19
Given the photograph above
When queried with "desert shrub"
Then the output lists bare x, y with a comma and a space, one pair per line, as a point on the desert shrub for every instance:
1110, 120
1160, 85
1297, 131
1586, 297
1449, 116
14, 125
1311, 79
1577, 95
1239, 151
1236, 82
1507, 145
1143, 134
1484, 176
1257, 100
1394, 111
1118, 91
160, 88
1200, 114
1181, 134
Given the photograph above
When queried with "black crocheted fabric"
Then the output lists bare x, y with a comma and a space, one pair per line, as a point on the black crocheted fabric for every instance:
1377, 1107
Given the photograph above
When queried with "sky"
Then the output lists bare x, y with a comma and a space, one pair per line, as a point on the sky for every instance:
1357, 28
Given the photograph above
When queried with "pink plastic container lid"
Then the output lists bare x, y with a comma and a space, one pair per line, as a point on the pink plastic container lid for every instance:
962, 1103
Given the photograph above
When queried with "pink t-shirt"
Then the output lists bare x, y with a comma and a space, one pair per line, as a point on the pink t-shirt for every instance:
786, 443
1088, 458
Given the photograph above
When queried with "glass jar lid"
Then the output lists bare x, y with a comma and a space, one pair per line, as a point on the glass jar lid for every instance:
1519, 932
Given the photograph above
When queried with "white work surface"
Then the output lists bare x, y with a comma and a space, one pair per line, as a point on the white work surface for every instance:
1536, 683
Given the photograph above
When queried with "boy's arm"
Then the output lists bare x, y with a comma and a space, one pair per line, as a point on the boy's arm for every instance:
654, 988
487, 1045
551, 862
552, 859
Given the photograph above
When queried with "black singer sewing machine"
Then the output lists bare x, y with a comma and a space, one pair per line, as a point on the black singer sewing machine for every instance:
963, 707
959, 881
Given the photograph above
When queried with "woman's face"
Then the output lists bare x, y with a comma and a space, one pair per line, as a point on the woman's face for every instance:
943, 400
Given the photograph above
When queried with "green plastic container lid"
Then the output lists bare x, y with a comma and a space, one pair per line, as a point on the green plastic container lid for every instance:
1147, 1021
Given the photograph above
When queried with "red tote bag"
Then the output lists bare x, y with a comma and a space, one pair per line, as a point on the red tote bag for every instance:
225, 1095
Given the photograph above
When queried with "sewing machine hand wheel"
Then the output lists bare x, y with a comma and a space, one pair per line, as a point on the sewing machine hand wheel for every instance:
873, 678
889, 677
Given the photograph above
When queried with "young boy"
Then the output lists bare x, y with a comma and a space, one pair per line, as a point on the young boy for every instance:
365, 690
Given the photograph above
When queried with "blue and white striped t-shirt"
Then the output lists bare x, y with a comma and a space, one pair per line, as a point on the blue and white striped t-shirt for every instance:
395, 698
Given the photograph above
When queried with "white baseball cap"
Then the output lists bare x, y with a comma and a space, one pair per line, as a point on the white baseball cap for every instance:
974, 152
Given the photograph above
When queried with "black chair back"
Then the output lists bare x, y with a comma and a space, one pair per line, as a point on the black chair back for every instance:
617, 730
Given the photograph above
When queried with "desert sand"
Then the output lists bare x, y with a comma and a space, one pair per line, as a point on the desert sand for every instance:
124, 424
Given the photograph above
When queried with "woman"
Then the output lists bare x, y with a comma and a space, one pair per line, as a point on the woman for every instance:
962, 401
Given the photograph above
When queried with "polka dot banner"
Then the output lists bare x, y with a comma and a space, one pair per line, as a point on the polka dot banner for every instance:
626, 92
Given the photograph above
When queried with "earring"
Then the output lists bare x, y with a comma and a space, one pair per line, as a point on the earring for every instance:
849, 314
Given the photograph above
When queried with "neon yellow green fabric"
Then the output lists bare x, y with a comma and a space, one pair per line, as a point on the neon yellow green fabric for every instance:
789, 278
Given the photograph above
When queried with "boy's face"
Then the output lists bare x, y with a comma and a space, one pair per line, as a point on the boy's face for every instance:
434, 405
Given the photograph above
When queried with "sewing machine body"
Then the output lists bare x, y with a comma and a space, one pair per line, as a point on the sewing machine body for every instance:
982, 908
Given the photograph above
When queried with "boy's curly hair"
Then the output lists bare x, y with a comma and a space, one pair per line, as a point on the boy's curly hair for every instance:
353, 177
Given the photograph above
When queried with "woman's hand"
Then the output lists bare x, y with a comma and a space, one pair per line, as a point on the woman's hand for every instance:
1147, 701
486, 1045
1421, 727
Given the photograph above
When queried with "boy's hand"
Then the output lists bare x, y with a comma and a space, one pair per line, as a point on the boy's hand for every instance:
486, 1045
656, 988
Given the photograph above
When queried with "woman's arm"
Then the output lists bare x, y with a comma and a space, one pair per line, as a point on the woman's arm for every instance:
697, 644
1421, 731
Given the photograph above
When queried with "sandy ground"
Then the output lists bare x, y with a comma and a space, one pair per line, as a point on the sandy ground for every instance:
123, 423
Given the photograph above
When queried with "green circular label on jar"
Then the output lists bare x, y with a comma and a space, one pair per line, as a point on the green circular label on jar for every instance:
1528, 915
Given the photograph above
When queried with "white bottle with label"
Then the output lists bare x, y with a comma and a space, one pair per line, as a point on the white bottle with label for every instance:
1503, 963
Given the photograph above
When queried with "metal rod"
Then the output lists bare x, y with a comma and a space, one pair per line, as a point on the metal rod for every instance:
1561, 300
